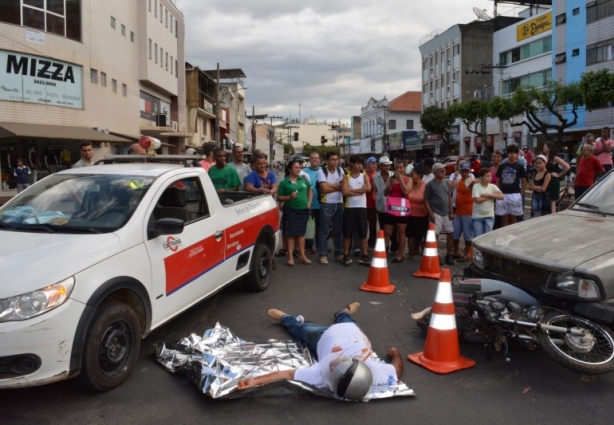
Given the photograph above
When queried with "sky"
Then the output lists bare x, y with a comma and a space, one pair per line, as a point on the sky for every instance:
328, 56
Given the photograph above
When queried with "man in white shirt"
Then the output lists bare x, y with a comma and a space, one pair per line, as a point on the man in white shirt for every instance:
342, 339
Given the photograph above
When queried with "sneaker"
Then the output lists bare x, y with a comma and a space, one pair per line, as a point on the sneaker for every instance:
449, 260
323, 260
357, 252
300, 319
346, 260
339, 257
364, 260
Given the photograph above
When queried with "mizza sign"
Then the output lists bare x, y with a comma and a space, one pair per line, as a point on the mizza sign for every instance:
34, 79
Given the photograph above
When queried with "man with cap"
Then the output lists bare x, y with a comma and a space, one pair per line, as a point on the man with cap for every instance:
342, 342
371, 209
438, 203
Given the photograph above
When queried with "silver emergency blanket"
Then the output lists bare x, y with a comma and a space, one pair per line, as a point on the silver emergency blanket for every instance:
217, 361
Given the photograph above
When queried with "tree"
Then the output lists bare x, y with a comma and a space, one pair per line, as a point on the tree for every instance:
288, 149
436, 121
557, 99
308, 148
471, 113
597, 89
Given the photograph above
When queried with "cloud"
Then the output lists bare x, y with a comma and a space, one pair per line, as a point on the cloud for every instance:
328, 56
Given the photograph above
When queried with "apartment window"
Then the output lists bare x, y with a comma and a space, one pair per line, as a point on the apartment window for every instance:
171, 65
392, 124
171, 24
123, 30
156, 51
93, 76
410, 124
166, 61
55, 17
149, 47
176, 68
575, 52
175, 27
114, 86
526, 51
103, 79
162, 57
112, 22
536, 79
160, 12
149, 5
456, 49
131, 36
560, 58
155, 9
166, 18
124, 90
576, 11
561, 19
600, 52
598, 10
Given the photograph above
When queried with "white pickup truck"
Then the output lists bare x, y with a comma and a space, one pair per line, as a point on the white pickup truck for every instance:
93, 259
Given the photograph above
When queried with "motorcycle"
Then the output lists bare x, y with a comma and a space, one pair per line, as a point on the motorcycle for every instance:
500, 314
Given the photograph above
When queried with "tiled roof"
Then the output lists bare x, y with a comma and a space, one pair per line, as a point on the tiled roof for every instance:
409, 101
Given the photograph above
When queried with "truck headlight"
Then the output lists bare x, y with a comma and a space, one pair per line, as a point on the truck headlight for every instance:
31, 304
478, 258
575, 285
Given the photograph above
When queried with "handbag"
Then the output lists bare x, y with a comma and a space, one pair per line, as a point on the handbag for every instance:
310, 232
398, 207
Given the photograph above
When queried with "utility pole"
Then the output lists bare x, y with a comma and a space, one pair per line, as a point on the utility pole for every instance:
272, 138
253, 128
217, 107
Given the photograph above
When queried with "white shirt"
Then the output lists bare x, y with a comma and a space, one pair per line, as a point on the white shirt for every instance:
357, 183
348, 340
428, 177
334, 177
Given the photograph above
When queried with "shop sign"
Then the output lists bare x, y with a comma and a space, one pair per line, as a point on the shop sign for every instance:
467, 139
528, 29
413, 140
432, 138
395, 141
151, 106
35, 79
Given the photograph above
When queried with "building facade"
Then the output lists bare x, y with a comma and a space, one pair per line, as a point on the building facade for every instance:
78, 70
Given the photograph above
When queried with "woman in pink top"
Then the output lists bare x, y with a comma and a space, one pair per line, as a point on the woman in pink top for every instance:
399, 186
418, 220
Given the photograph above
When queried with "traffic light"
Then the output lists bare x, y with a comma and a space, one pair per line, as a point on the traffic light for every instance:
323, 140
295, 138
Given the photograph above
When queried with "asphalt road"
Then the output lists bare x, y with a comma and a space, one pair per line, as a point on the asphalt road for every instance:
529, 389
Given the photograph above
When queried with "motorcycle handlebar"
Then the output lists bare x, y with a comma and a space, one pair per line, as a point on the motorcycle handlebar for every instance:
489, 293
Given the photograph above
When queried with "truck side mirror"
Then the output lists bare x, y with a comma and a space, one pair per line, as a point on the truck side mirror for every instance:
165, 226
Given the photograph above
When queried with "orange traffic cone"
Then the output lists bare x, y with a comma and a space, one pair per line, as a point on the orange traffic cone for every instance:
429, 267
441, 352
378, 280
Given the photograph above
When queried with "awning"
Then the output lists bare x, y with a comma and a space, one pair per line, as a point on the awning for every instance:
44, 131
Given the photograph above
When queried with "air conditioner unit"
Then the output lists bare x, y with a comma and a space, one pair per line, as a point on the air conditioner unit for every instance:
174, 126
161, 120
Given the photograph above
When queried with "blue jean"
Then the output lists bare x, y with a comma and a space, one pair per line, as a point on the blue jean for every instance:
310, 333
482, 225
463, 224
540, 204
330, 213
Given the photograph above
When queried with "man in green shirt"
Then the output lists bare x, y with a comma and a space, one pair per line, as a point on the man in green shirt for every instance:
223, 176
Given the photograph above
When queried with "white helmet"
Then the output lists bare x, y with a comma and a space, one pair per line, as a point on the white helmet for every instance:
349, 378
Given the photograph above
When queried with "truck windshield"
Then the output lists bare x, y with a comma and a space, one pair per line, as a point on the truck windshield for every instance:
75, 204
600, 197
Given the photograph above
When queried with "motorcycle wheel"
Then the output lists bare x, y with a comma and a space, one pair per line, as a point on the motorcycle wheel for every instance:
590, 355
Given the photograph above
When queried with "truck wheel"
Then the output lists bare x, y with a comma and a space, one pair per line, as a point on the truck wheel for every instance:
259, 275
111, 348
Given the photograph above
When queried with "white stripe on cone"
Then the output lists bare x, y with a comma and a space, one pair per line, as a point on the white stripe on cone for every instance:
443, 322
430, 236
430, 252
379, 263
380, 245
444, 293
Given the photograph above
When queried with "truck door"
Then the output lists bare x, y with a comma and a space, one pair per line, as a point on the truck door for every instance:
185, 267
